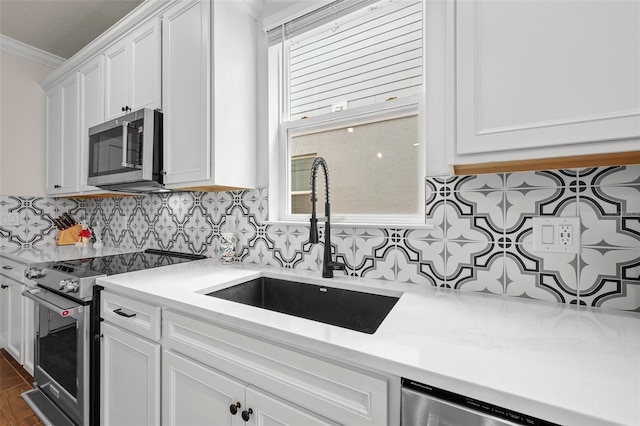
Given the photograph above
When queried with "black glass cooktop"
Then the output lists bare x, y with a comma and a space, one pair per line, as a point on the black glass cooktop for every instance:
121, 263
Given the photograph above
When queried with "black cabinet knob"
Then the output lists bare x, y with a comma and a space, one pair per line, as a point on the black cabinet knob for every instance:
4, 286
57, 186
246, 414
234, 408
123, 109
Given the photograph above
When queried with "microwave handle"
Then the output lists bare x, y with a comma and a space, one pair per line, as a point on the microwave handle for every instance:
125, 127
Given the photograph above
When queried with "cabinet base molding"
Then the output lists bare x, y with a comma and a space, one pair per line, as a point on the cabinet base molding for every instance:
212, 188
571, 162
89, 196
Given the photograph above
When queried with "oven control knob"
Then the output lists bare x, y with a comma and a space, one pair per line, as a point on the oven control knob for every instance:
34, 273
68, 286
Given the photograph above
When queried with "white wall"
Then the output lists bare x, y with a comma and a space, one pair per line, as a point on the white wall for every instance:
22, 125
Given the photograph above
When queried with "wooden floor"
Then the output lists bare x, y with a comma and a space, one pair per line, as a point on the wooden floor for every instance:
13, 381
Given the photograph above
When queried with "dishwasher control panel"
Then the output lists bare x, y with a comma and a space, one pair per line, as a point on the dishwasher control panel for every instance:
427, 405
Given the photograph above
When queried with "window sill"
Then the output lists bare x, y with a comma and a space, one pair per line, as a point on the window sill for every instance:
427, 226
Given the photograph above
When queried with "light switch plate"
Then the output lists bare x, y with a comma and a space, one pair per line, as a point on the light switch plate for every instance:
556, 234
11, 219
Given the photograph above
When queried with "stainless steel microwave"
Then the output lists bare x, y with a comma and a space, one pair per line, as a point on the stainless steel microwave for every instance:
125, 154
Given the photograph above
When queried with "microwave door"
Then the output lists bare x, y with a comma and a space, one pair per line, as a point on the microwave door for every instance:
117, 154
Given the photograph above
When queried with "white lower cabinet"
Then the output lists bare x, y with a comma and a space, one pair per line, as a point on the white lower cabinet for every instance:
16, 314
283, 385
130, 378
268, 410
129, 364
13, 336
28, 334
163, 367
194, 394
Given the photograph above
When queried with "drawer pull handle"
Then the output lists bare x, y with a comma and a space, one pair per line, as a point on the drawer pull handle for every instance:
246, 414
8, 267
123, 314
234, 408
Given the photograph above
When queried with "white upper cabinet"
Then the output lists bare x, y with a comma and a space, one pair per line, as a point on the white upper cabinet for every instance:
537, 79
132, 71
61, 150
91, 83
196, 60
209, 95
186, 92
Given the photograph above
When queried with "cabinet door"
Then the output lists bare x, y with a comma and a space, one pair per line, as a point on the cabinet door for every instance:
14, 308
533, 74
4, 311
53, 147
91, 84
186, 92
132, 71
267, 410
193, 394
130, 379
28, 336
62, 138
144, 62
116, 80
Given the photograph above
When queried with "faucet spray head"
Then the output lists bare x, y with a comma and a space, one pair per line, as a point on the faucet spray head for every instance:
313, 232
318, 162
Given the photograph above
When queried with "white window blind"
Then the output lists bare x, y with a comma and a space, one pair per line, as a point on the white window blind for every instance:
370, 52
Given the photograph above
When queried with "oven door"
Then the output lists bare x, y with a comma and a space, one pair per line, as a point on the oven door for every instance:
61, 353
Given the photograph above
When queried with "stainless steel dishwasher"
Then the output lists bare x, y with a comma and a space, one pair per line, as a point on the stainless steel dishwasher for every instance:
424, 405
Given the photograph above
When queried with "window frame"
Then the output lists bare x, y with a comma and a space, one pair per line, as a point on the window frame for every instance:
280, 130
408, 106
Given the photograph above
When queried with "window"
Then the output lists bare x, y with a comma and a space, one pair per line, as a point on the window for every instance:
347, 82
300, 184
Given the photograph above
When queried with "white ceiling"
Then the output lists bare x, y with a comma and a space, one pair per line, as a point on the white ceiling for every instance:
60, 27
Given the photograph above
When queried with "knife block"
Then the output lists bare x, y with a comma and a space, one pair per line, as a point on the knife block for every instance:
69, 235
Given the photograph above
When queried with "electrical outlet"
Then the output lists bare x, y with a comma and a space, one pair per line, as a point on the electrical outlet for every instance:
566, 235
556, 234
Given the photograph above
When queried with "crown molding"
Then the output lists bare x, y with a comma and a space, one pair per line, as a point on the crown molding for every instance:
147, 10
253, 7
30, 52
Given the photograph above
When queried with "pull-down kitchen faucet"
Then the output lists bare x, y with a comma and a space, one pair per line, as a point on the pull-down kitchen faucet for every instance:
328, 265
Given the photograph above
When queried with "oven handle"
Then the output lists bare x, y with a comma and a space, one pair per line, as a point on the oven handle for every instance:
63, 312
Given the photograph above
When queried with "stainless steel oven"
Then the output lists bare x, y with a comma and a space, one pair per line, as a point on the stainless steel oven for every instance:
62, 356
67, 319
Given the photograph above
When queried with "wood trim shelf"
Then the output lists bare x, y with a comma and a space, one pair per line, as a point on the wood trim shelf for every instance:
572, 162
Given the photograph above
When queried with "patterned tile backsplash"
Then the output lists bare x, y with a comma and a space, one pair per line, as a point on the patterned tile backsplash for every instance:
482, 240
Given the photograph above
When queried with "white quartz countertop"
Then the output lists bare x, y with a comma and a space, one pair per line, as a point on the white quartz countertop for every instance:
54, 253
569, 365
557, 362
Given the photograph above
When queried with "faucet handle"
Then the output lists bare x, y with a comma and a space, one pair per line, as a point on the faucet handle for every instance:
338, 266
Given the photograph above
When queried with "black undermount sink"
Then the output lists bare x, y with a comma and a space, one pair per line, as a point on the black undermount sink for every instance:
350, 309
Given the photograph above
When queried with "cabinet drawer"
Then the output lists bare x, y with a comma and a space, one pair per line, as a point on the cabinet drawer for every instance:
132, 315
334, 391
11, 268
